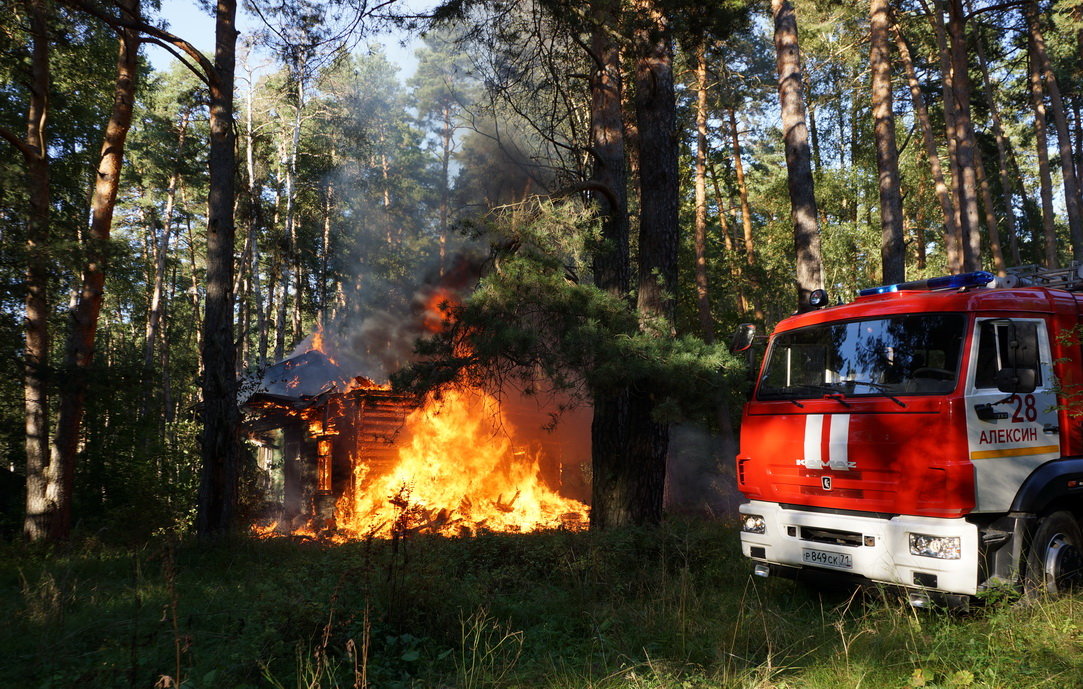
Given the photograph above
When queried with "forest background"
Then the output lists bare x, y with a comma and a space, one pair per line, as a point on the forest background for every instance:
627, 182
633, 168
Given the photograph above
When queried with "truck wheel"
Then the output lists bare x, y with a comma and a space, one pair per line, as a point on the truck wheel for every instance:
1055, 558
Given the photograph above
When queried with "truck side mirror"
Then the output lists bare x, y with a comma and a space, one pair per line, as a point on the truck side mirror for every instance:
743, 337
1016, 380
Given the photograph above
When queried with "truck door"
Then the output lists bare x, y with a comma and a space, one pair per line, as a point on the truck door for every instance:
1011, 428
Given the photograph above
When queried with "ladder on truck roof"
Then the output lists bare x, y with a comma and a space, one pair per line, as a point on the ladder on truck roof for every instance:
1033, 275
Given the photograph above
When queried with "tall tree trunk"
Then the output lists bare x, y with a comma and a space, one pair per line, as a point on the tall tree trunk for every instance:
887, 155
749, 273
242, 290
447, 143
656, 121
79, 354
220, 441
1073, 203
1007, 184
954, 243
325, 252
154, 314
282, 300
1041, 144
742, 190
932, 155
35, 152
254, 221
806, 232
609, 429
298, 297
990, 215
919, 227
292, 262
967, 199
743, 305
703, 297
193, 274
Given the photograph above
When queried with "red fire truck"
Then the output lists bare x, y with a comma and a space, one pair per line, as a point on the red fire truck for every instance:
922, 436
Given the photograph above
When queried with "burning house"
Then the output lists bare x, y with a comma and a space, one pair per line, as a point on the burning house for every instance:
347, 457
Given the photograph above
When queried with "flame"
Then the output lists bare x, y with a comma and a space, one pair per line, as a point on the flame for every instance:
458, 467
318, 344
458, 471
436, 310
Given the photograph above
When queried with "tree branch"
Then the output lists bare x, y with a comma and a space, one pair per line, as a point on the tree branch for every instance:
994, 8
209, 76
180, 57
26, 149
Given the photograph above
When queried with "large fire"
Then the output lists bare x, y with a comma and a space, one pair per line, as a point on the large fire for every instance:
459, 470
458, 466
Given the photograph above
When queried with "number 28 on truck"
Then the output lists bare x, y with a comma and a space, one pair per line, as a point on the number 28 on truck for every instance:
922, 436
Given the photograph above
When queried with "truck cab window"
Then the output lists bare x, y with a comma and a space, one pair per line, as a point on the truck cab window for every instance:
995, 339
898, 355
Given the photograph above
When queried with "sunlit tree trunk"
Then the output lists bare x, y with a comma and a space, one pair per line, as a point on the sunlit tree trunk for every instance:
1041, 144
281, 276
990, 215
1007, 183
749, 274
1077, 122
79, 353
920, 237
1072, 202
887, 155
932, 154
798, 165
743, 304
325, 252
220, 441
703, 298
298, 296
292, 262
954, 243
254, 220
967, 186
742, 190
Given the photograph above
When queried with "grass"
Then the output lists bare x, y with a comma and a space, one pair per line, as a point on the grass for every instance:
671, 607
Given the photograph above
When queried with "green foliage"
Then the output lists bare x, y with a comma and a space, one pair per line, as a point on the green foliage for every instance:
535, 322
668, 607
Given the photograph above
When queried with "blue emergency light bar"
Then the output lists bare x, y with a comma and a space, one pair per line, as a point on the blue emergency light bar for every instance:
978, 278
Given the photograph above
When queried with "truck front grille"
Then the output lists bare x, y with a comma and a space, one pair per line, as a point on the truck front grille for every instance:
831, 536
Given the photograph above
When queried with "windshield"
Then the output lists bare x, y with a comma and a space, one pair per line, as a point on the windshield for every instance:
900, 355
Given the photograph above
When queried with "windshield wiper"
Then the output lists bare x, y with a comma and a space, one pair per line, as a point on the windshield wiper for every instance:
822, 389
879, 387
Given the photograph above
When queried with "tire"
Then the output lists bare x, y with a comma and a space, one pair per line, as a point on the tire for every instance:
1055, 556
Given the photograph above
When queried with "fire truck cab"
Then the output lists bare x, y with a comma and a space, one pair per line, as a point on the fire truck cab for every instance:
923, 436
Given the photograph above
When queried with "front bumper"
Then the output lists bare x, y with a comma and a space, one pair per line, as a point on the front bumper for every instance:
873, 548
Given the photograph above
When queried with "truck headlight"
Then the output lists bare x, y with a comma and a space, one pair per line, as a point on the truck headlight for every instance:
753, 523
942, 547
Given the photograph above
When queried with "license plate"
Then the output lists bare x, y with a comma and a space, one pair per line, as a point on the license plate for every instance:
822, 558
